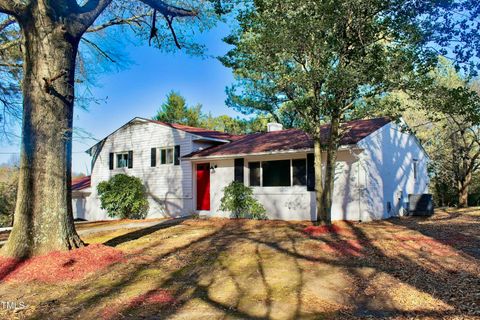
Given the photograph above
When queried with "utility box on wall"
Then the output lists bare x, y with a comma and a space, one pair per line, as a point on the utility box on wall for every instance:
420, 205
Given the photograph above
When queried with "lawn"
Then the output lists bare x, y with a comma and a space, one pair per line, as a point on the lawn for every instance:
228, 269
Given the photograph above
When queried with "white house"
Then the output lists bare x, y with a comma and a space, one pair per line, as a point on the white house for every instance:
185, 169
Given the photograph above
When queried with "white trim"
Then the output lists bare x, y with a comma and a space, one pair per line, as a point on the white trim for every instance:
202, 138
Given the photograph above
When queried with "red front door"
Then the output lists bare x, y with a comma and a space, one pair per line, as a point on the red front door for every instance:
203, 186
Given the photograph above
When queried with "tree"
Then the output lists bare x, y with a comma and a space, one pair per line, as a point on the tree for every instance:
453, 108
445, 116
321, 59
51, 32
175, 110
123, 197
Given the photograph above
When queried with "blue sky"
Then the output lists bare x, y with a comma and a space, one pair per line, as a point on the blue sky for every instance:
139, 90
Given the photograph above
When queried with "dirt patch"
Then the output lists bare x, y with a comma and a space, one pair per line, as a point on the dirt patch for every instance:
60, 266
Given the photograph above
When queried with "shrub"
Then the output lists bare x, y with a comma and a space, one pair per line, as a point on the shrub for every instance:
238, 199
123, 197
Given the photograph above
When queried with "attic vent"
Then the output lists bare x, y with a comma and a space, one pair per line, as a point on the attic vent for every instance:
273, 126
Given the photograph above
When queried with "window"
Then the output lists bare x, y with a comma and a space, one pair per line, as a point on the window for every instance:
276, 173
299, 172
167, 156
122, 160
170, 156
254, 174
163, 156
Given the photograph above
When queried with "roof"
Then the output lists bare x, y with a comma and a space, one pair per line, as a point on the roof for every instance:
81, 183
292, 139
212, 134
217, 136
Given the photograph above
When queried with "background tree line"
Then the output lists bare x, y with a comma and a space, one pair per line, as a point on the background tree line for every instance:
176, 110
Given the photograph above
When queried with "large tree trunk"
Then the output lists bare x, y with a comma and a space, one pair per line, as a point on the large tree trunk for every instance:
43, 216
322, 216
463, 187
331, 161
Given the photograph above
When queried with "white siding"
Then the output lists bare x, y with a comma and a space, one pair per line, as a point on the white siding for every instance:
79, 203
290, 203
387, 165
170, 187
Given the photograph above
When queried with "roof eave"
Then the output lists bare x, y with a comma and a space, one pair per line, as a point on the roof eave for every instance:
290, 151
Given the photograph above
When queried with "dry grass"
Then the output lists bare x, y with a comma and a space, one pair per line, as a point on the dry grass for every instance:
221, 269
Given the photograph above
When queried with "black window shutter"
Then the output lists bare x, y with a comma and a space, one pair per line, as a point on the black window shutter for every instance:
239, 169
153, 157
130, 159
177, 156
310, 172
111, 160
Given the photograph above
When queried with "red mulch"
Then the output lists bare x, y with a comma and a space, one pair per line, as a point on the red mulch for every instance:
317, 231
158, 297
60, 265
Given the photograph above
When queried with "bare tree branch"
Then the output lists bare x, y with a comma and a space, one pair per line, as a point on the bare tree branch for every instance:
11, 65
96, 47
169, 10
93, 8
138, 19
170, 26
89, 13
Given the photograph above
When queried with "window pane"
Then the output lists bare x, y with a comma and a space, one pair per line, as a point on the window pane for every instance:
169, 156
276, 173
299, 167
122, 160
254, 174
163, 156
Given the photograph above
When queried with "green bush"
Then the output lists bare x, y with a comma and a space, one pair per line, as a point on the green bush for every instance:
238, 199
123, 197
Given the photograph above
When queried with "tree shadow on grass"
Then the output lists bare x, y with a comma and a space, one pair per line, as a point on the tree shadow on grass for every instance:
137, 234
193, 283
121, 281
439, 282
446, 231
